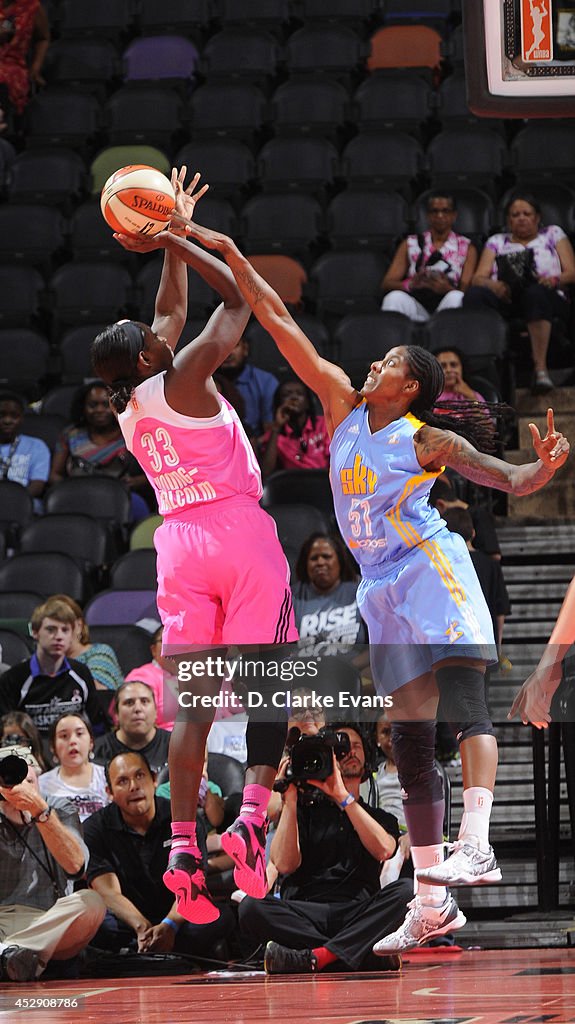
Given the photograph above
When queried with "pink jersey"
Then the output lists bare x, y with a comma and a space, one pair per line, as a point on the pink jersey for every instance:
190, 462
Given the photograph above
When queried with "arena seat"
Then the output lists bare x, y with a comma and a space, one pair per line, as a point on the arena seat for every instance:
135, 570
114, 157
163, 58
121, 608
403, 102
366, 218
219, 110
52, 572
52, 176
14, 647
297, 165
227, 164
286, 276
296, 522
240, 53
317, 107
387, 159
145, 114
348, 282
324, 49
282, 223
80, 536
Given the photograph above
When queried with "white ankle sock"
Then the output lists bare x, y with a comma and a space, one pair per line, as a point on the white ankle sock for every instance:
477, 803
428, 857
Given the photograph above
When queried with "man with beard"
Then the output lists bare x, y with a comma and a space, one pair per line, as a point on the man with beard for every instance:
329, 846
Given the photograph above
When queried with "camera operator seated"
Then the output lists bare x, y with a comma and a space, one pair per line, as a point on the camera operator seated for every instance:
329, 845
41, 848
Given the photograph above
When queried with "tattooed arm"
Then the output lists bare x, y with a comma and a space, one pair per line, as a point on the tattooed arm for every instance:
329, 381
435, 447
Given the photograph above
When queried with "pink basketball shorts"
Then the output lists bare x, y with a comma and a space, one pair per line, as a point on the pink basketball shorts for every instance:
223, 579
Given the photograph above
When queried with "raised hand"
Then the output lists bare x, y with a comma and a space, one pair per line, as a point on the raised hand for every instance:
552, 449
533, 701
186, 199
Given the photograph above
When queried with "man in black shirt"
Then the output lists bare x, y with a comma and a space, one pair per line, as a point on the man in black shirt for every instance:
50, 684
135, 707
128, 856
330, 849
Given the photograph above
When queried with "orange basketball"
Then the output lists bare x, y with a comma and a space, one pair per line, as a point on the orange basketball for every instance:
138, 200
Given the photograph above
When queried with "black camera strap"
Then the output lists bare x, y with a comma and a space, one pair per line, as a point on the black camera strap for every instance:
46, 866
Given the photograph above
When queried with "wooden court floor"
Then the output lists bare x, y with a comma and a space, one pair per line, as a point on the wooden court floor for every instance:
471, 987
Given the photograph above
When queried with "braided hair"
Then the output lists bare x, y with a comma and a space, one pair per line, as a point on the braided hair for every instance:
115, 354
472, 420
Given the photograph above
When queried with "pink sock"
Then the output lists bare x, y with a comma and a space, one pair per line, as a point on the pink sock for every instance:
184, 837
255, 802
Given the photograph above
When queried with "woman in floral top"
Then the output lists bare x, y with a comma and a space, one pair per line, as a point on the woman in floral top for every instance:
523, 272
431, 271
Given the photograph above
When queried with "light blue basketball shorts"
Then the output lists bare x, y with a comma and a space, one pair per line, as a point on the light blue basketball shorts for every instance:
423, 608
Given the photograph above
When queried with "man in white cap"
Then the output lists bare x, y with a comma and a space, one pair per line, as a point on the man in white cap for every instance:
41, 852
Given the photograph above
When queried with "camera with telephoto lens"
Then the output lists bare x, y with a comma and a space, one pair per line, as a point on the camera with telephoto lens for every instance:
311, 757
13, 770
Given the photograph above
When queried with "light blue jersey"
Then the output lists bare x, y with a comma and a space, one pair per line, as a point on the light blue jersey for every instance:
380, 490
419, 593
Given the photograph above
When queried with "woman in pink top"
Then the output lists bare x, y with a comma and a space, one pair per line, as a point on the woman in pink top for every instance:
298, 438
222, 576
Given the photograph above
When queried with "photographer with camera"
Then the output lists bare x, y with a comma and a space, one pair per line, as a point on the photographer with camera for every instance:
329, 845
41, 850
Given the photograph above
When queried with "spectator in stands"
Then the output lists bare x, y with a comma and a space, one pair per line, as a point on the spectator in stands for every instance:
23, 459
18, 729
431, 271
533, 702
75, 776
324, 598
523, 272
456, 388
93, 444
256, 387
50, 683
135, 708
41, 850
100, 658
330, 850
159, 676
129, 845
297, 438
488, 572
24, 41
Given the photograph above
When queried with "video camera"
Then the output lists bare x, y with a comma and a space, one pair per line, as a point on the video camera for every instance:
311, 757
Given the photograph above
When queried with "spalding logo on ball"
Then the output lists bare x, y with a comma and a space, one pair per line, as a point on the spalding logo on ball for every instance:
138, 200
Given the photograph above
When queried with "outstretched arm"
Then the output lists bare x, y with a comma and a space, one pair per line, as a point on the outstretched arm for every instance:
436, 447
172, 298
329, 381
533, 700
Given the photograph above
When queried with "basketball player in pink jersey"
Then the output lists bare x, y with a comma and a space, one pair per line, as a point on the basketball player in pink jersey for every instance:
222, 576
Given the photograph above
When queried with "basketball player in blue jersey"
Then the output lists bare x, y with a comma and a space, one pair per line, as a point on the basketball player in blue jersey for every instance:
429, 627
